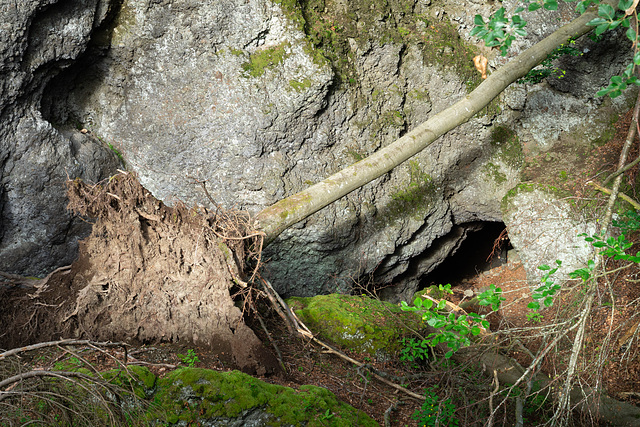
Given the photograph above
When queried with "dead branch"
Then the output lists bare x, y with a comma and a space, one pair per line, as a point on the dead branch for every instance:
15, 351
33, 374
623, 196
387, 413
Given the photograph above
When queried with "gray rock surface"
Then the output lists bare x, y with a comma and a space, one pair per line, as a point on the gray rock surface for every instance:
544, 227
39, 39
235, 94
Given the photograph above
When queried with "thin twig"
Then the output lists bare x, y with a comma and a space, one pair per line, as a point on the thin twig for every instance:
623, 196
59, 343
495, 390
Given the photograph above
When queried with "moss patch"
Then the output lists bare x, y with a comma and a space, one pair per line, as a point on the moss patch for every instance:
414, 199
509, 148
356, 323
192, 395
300, 86
260, 61
493, 171
527, 187
333, 27
441, 44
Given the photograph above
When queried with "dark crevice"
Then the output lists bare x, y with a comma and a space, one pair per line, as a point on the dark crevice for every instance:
483, 249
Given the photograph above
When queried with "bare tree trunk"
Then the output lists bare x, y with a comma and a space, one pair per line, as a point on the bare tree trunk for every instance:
278, 217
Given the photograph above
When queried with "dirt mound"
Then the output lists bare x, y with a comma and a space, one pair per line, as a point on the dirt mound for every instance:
147, 273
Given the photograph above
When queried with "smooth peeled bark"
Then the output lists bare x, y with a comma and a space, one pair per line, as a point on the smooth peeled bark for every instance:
278, 217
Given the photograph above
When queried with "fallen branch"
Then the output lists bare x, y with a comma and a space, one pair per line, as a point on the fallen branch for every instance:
295, 324
621, 195
4, 394
387, 413
16, 351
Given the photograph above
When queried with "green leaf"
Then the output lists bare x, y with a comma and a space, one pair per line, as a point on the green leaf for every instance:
597, 21
534, 305
544, 267
478, 20
624, 4
601, 28
551, 4
606, 11
534, 6
520, 32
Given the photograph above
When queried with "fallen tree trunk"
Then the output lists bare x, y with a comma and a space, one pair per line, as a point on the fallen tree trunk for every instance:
274, 219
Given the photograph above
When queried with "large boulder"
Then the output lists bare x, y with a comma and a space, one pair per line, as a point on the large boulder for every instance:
235, 399
260, 99
37, 41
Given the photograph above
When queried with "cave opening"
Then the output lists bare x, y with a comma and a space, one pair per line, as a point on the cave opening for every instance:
485, 247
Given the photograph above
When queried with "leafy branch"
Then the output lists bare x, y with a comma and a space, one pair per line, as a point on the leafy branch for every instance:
501, 31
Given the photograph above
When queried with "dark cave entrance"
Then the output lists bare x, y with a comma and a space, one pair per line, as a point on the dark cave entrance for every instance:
485, 247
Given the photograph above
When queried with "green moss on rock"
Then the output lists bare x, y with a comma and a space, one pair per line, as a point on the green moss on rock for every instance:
508, 146
493, 171
192, 395
414, 199
527, 187
262, 60
357, 323
333, 29
138, 379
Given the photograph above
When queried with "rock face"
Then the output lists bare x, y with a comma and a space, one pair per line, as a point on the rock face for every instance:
260, 99
558, 237
37, 41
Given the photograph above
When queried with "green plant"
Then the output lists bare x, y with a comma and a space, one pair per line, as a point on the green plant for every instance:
434, 413
451, 329
190, 359
546, 67
547, 290
327, 415
629, 221
414, 350
500, 31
